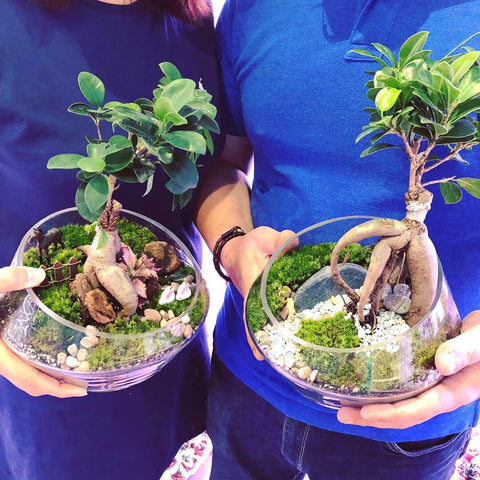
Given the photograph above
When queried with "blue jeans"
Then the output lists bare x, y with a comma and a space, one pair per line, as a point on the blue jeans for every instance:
252, 440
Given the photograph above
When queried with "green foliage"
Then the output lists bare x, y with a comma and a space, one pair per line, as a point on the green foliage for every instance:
62, 301
133, 235
421, 99
77, 235
335, 331
171, 130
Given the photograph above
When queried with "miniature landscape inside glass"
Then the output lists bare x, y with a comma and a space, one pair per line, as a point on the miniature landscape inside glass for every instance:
88, 331
310, 332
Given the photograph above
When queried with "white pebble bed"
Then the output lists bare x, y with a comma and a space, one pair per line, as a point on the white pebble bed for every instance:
278, 345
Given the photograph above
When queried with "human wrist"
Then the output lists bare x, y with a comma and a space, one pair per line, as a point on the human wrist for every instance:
222, 252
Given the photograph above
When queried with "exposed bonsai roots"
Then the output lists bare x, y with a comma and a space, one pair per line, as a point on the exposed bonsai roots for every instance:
407, 238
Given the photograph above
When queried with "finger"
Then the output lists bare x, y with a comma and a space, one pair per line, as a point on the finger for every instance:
459, 352
16, 278
452, 393
33, 381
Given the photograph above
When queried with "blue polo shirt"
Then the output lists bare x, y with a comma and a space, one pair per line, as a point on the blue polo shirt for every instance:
294, 89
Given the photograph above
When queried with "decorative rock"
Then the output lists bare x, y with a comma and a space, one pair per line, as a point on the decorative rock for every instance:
61, 358
290, 305
164, 256
304, 372
82, 355
178, 329
290, 361
187, 333
402, 289
163, 323
184, 291
313, 376
72, 350
89, 341
170, 314
99, 308
72, 362
387, 290
185, 318
164, 314
91, 330
167, 296
153, 315
397, 303
83, 367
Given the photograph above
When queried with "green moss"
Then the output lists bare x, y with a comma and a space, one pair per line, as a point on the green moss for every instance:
135, 236
62, 301
336, 331
74, 235
424, 353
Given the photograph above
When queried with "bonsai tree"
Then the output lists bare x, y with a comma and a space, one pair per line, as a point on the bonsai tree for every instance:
172, 130
427, 104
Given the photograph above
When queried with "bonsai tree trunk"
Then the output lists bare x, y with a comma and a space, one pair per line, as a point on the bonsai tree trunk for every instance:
101, 267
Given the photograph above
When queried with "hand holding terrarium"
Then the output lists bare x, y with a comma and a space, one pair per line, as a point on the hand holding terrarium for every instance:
365, 328
123, 294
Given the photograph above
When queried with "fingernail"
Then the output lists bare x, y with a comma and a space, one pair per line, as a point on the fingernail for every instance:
450, 362
35, 276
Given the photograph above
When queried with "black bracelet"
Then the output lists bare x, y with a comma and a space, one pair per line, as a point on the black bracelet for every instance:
217, 250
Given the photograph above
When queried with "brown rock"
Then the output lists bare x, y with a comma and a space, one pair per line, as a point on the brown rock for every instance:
80, 286
164, 256
99, 307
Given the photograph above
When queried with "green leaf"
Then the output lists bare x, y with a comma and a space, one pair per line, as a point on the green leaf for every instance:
175, 187
451, 192
462, 131
145, 104
96, 192
366, 53
119, 142
182, 171
209, 124
118, 158
102, 239
170, 70
462, 64
209, 141
387, 52
189, 141
83, 210
96, 149
143, 169
164, 154
471, 185
465, 108
64, 161
179, 92
164, 111
92, 88
411, 46
80, 109
366, 132
91, 164
386, 98
84, 177
185, 197
377, 148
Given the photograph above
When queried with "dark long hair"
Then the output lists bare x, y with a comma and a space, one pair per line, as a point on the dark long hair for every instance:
193, 11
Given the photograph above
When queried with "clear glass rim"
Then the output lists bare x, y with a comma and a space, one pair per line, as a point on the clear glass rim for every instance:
18, 260
334, 350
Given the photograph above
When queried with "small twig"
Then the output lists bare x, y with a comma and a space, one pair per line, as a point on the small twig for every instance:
443, 160
443, 180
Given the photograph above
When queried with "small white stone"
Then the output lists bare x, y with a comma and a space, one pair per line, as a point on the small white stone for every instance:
72, 362
61, 357
72, 350
304, 372
185, 318
290, 361
89, 341
187, 333
82, 355
313, 375
83, 367
91, 330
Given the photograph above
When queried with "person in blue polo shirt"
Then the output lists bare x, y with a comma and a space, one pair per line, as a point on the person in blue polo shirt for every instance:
44, 44
294, 97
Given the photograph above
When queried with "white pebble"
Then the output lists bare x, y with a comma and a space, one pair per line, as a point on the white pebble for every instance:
61, 358
72, 350
72, 362
82, 355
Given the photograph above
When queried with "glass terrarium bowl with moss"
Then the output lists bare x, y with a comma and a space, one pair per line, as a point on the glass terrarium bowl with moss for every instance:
304, 326
88, 342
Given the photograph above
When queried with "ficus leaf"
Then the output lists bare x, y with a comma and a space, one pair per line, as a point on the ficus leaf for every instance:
411, 46
83, 210
386, 98
179, 92
170, 70
377, 148
461, 65
96, 192
471, 185
102, 239
64, 161
451, 192
189, 141
91, 164
92, 88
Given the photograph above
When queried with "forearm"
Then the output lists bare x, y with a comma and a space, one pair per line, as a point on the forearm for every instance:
223, 202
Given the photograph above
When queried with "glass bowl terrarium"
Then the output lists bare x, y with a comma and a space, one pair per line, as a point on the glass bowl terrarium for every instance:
86, 342
303, 325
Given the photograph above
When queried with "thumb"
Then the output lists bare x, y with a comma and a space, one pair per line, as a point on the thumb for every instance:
16, 278
459, 352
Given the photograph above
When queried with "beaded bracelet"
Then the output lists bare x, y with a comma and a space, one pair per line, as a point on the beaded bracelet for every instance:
217, 250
